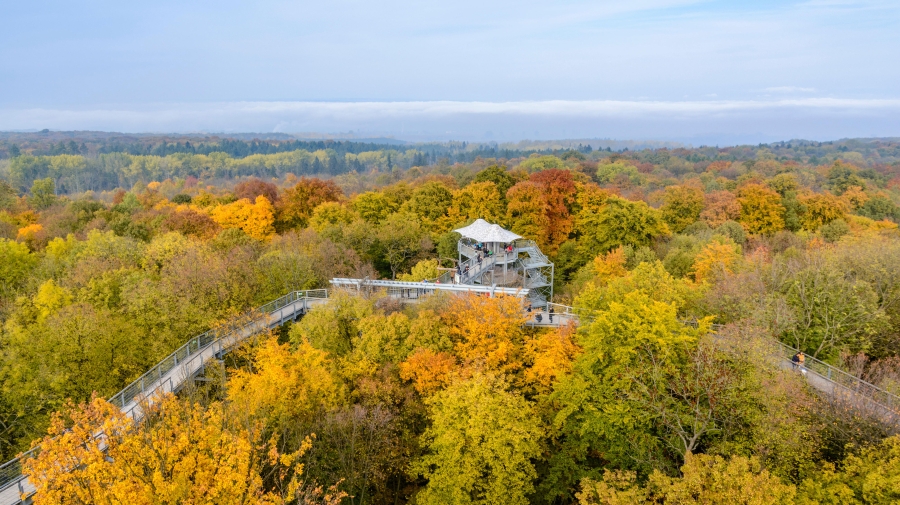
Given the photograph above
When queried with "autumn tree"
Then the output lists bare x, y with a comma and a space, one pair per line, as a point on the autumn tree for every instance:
487, 332
619, 222
480, 444
191, 223
16, 262
595, 414
761, 209
820, 209
477, 200
719, 257
374, 206
331, 214
559, 193
254, 187
430, 203
682, 206
526, 211
256, 219
501, 178
719, 207
181, 453
704, 479
297, 203
425, 269
285, 387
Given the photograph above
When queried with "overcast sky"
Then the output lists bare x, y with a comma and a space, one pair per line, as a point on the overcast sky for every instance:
713, 71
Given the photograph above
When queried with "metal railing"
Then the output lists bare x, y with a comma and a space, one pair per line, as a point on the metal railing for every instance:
11, 471
531, 248
848, 381
833, 374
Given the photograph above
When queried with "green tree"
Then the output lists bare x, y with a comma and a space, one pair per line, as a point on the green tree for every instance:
595, 414
402, 239
8, 195
43, 193
498, 175
842, 176
430, 203
373, 206
480, 445
619, 222
16, 264
682, 206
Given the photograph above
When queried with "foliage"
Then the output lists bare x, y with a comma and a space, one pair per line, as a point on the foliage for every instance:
761, 209
620, 222
480, 445
297, 203
705, 479
682, 206
425, 269
255, 219
182, 454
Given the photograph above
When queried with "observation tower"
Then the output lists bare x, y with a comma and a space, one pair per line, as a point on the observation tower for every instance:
490, 255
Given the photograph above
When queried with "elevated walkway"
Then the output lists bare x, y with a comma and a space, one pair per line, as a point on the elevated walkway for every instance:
175, 371
180, 367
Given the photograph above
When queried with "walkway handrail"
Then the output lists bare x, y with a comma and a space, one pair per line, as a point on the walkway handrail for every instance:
11, 471
834, 374
842, 378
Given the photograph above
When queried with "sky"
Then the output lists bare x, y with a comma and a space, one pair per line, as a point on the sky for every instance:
694, 71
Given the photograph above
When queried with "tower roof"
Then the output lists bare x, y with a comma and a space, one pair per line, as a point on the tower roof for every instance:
483, 231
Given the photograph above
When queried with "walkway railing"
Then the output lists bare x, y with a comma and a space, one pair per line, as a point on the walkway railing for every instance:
834, 375
11, 471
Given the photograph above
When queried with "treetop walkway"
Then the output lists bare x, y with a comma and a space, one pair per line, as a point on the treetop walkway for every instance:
179, 368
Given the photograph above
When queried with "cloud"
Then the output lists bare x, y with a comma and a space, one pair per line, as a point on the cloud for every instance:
508, 120
789, 89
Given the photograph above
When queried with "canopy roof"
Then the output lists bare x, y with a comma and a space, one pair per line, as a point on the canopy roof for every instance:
483, 231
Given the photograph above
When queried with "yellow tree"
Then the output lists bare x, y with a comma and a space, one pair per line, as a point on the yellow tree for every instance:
761, 209
610, 265
719, 256
477, 200
285, 385
705, 479
428, 370
820, 209
331, 214
480, 444
550, 355
487, 331
180, 453
255, 219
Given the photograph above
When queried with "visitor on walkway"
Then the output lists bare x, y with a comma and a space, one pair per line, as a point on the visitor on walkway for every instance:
550, 314
799, 360
538, 317
479, 259
466, 271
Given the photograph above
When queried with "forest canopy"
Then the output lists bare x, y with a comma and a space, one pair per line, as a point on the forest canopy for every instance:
111, 257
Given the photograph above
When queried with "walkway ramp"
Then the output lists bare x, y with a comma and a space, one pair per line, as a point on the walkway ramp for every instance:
176, 370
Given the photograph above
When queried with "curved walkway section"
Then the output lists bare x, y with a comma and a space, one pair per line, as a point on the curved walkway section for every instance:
175, 371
